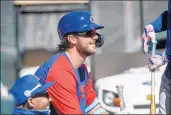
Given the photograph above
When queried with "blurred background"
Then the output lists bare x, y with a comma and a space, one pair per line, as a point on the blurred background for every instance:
29, 35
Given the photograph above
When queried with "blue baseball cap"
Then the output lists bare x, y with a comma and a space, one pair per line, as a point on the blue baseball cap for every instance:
28, 86
76, 21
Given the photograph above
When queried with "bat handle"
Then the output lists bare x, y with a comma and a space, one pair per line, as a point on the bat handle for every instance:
153, 105
154, 48
154, 42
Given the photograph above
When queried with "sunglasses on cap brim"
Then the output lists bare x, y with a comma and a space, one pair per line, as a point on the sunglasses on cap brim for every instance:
86, 33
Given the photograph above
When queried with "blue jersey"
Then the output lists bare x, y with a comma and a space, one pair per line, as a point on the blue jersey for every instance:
162, 23
23, 111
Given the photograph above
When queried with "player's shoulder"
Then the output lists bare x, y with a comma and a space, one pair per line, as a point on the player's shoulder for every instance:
60, 62
61, 75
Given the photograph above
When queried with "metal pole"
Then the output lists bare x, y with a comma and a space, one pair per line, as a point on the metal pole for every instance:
128, 23
141, 21
141, 16
17, 62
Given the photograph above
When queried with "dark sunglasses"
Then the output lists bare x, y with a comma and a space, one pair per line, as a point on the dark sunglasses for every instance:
41, 94
86, 34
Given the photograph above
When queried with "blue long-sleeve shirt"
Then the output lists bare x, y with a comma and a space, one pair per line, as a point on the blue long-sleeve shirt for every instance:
162, 23
23, 111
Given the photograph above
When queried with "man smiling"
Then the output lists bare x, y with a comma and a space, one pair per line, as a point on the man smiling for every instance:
72, 92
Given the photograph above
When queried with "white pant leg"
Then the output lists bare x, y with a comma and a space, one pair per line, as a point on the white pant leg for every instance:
164, 96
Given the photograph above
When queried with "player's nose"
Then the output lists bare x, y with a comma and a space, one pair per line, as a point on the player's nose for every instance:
95, 37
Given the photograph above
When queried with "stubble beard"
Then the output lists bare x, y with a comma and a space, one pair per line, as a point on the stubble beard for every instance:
88, 52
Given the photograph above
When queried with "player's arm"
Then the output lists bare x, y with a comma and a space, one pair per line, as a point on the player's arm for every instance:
92, 103
63, 92
168, 49
95, 108
160, 24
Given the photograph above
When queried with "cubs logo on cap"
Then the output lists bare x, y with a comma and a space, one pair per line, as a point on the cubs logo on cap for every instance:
91, 19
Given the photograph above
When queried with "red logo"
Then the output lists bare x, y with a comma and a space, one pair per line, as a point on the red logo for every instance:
91, 19
83, 88
82, 91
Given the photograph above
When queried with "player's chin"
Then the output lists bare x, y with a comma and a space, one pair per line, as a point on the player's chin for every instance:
92, 51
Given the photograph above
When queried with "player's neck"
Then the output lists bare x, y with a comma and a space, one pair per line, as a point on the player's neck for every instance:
76, 59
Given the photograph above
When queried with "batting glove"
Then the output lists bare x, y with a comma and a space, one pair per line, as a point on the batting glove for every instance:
157, 60
146, 38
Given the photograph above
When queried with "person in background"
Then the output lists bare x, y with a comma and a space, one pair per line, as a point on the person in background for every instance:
162, 23
30, 95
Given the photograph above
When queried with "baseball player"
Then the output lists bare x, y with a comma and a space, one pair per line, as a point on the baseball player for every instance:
73, 92
30, 96
162, 23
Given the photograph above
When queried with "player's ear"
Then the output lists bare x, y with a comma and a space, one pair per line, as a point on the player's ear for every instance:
72, 39
31, 102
